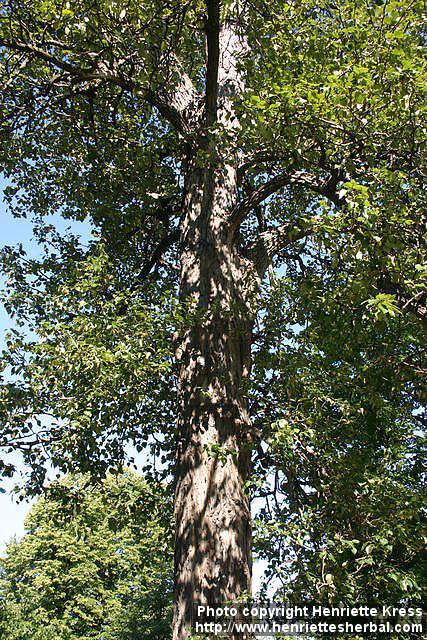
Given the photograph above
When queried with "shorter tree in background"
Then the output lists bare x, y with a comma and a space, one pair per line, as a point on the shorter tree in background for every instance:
95, 562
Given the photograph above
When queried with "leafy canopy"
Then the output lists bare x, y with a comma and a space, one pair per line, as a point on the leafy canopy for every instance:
94, 562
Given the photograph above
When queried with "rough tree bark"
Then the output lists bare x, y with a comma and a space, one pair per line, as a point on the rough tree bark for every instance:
212, 510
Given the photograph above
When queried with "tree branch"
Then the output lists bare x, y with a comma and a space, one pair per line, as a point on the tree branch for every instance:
324, 186
271, 241
172, 105
165, 243
99, 71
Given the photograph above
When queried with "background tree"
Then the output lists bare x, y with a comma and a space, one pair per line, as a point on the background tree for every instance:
207, 142
94, 562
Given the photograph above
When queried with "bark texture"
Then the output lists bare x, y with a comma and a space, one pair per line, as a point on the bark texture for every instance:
212, 510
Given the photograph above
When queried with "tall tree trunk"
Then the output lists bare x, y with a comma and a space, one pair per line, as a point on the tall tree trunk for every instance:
212, 510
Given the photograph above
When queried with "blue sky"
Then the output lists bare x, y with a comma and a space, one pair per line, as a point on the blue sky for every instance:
12, 231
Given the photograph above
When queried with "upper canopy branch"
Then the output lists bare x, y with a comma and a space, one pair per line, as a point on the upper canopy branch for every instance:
326, 186
172, 103
271, 241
